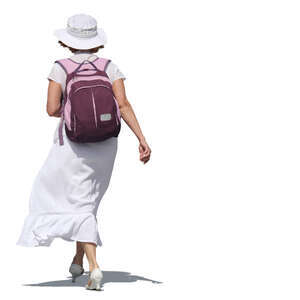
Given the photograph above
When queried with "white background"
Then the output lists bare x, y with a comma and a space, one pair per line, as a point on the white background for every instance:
215, 86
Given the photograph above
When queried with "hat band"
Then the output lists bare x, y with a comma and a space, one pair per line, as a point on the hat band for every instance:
82, 33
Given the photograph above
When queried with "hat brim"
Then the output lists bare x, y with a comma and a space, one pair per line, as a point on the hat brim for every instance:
81, 43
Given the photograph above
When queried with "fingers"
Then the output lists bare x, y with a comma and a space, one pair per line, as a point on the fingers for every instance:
145, 157
141, 149
145, 152
146, 160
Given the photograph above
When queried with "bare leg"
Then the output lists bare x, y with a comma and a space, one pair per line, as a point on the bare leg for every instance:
90, 251
78, 258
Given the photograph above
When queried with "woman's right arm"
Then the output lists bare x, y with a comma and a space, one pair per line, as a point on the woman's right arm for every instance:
54, 97
129, 117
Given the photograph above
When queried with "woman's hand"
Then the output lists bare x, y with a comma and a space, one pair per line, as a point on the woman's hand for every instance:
145, 151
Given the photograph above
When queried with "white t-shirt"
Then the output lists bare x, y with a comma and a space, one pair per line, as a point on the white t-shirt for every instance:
59, 75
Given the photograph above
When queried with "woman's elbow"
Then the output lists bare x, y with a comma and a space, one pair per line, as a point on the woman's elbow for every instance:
124, 104
52, 112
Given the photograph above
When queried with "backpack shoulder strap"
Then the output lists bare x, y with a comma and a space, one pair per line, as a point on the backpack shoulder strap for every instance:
67, 64
101, 63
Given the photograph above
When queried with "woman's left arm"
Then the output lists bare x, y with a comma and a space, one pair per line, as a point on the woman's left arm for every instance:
54, 97
129, 117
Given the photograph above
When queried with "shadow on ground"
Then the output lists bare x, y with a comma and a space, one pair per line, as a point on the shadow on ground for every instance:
108, 276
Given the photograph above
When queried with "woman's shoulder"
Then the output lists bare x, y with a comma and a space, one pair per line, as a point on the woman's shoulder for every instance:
57, 65
57, 72
113, 71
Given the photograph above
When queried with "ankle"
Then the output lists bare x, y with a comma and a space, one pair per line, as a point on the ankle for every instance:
93, 266
78, 259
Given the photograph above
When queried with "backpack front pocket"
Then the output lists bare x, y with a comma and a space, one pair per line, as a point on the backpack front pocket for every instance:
93, 113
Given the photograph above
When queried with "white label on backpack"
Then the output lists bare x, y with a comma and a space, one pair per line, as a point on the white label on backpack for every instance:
105, 117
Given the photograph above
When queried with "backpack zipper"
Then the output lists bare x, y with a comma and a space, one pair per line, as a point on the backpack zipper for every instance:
90, 86
117, 120
94, 108
74, 123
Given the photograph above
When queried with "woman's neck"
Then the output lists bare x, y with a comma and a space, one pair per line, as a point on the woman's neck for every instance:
82, 51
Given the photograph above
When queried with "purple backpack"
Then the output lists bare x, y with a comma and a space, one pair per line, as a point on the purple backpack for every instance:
89, 108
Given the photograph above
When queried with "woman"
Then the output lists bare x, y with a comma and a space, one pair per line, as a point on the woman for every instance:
69, 187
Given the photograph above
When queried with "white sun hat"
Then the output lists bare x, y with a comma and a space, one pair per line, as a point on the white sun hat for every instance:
81, 33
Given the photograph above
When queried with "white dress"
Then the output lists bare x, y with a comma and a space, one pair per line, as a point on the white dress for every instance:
70, 185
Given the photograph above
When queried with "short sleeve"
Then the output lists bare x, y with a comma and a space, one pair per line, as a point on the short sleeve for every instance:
114, 72
57, 74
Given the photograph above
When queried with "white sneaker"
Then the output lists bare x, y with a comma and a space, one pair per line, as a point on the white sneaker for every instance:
95, 277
